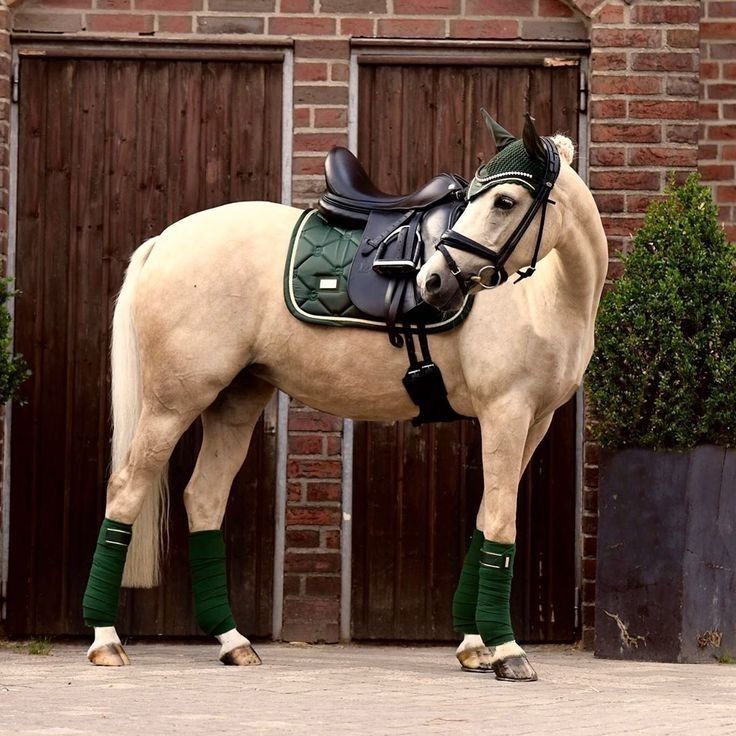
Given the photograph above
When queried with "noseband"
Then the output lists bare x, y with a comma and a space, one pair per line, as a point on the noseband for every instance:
497, 259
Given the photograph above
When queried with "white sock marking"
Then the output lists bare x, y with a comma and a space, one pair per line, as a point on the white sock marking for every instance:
231, 640
104, 635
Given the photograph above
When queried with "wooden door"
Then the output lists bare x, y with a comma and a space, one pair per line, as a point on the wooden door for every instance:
416, 491
110, 152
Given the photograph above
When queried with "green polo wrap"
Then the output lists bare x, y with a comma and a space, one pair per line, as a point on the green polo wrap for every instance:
493, 614
209, 582
465, 600
100, 602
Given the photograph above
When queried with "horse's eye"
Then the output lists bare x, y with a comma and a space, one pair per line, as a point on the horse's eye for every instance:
504, 203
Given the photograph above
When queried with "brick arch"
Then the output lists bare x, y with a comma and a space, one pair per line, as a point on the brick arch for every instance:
586, 8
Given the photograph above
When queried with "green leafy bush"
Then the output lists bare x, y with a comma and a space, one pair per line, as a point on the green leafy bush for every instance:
664, 371
13, 369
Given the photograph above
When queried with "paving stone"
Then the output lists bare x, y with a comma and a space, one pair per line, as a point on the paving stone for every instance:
308, 690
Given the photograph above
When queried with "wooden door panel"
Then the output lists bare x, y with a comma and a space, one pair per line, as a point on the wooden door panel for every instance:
416, 491
110, 152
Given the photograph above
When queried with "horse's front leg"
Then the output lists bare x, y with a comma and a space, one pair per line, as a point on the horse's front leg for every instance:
481, 607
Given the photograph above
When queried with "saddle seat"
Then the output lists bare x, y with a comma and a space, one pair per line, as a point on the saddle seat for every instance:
351, 195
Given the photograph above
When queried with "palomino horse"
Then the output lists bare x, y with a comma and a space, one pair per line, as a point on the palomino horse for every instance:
201, 329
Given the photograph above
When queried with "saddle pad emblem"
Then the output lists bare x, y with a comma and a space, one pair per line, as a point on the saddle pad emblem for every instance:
316, 275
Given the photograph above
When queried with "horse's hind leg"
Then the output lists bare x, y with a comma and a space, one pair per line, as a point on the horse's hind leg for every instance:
158, 431
227, 429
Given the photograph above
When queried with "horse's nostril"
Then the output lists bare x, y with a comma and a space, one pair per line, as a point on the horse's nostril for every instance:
433, 282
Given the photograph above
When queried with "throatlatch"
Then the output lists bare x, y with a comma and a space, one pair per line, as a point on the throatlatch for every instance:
209, 582
100, 602
493, 613
465, 601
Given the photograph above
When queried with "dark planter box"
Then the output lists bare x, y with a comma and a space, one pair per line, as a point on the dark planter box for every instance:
666, 575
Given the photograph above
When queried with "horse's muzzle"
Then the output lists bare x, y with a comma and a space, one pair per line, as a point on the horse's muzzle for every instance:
442, 291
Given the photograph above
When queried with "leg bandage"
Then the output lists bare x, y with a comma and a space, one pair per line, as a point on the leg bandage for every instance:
100, 603
493, 614
209, 582
466, 595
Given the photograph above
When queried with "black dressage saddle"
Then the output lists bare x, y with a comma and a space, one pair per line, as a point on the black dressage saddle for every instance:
351, 196
400, 233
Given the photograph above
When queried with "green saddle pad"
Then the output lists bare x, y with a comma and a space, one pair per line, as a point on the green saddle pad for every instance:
316, 278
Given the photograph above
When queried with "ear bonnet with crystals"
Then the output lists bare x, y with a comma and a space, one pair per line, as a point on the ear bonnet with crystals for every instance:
517, 161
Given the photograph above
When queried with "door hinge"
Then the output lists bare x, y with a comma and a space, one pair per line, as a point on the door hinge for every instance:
15, 81
583, 93
576, 605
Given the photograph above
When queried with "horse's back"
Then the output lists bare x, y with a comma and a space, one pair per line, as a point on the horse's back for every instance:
223, 241
210, 270
235, 220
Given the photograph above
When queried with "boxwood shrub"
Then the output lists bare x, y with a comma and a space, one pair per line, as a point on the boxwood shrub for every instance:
663, 374
13, 369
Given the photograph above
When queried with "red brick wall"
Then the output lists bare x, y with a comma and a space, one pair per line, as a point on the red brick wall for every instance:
643, 122
717, 162
322, 32
313, 516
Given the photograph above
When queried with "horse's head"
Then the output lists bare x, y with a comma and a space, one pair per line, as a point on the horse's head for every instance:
508, 224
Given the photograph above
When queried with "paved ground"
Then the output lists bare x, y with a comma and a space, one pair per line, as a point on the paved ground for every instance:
299, 690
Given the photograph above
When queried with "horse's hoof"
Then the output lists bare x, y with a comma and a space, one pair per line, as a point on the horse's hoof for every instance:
241, 656
514, 669
470, 661
109, 655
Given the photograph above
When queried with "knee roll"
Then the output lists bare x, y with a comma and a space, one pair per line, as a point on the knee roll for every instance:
209, 582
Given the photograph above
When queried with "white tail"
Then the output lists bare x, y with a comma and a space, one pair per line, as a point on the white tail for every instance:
144, 555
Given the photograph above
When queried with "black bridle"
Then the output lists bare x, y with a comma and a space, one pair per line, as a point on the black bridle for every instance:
497, 259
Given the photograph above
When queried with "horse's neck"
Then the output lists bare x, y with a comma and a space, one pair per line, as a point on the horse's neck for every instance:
581, 262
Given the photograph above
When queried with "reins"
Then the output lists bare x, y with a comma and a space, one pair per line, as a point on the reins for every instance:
497, 259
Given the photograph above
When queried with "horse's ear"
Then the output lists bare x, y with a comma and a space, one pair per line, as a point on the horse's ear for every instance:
532, 141
500, 136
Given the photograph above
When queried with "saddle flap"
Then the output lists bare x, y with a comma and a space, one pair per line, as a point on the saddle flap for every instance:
393, 249
385, 240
